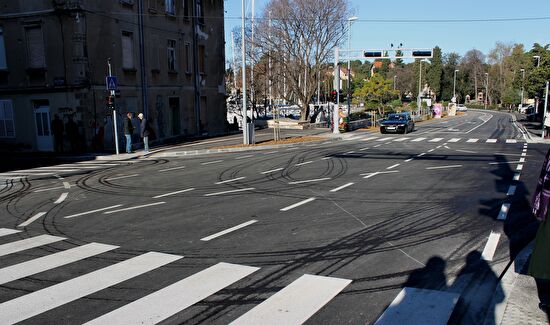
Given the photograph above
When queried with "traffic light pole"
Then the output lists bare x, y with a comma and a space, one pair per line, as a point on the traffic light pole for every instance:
335, 113
114, 108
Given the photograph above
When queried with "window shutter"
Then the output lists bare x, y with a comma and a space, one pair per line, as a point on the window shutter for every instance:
3, 63
35, 47
127, 51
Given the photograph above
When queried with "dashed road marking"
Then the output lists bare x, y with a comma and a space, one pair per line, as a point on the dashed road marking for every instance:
295, 205
490, 247
227, 231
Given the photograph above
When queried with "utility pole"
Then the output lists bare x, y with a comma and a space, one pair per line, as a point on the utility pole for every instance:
544, 110
143, 73
114, 107
350, 21
419, 99
486, 89
244, 122
394, 82
335, 113
454, 86
252, 64
522, 86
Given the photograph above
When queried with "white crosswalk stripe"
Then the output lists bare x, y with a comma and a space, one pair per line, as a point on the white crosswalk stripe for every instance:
418, 139
176, 297
293, 304
472, 140
492, 140
40, 301
453, 140
435, 140
56, 169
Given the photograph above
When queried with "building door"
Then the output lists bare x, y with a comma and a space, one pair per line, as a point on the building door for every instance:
44, 140
174, 103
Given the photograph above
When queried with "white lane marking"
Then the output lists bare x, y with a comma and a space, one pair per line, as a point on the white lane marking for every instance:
96, 163
296, 303
484, 121
466, 151
418, 139
48, 262
121, 177
439, 147
92, 211
363, 149
516, 176
436, 140
490, 246
370, 138
40, 301
309, 181
378, 145
491, 141
229, 192
511, 141
341, 187
28, 243
519, 167
66, 185
327, 142
504, 162
293, 148
59, 177
524, 154
393, 166
410, 306
212, 162
503, 211
295, 205
431, 150
384, 139
409, 160
52, 188
454, 140
14, 175
32, 219
230, 180
169, 169
272, 171
226, 231
472, 140
176, 297
349, 152
61, 198
6, 231
134, 207
304, 163
243, 157
270, 152
173, 193
47, 169
369, 175
511, 190
521, 160
524, 150
422, 154
445, 167
326, 158
401, 139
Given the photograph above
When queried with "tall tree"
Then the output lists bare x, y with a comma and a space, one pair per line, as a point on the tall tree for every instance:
450, 64
435, 72
301, 37
473, 65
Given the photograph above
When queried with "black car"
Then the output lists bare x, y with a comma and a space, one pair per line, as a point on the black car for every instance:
398, 123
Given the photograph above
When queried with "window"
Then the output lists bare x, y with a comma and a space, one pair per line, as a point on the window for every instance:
186, 9
170, 7
36, 56
202, 58
127, 50
154, 50
171, 55
7, 125
200, 14
3, 63
153, 5
187, 57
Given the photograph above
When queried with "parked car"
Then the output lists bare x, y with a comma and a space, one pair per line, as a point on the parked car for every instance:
461, 108
526, 109
398, 123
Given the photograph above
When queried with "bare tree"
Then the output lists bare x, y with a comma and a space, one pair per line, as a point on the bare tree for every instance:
473, 63
301, 37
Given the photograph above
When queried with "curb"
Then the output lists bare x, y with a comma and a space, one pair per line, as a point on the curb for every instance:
507, 283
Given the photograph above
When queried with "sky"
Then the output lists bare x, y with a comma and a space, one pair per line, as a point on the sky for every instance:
454, 26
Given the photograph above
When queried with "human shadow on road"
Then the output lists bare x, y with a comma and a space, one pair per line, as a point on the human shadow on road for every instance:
432, 276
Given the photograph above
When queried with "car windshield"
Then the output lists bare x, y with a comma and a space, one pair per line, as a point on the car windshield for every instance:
396, 117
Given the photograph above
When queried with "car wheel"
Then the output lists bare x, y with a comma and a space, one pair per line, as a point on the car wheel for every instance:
382, 131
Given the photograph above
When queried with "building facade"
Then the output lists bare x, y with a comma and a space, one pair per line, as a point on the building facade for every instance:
167, 58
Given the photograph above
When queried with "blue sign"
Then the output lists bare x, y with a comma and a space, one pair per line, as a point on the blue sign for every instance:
111, 82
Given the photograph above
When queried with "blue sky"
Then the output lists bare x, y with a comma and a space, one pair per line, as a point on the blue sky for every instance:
449, 36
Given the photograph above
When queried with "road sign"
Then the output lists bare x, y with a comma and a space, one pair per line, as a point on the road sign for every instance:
111, 82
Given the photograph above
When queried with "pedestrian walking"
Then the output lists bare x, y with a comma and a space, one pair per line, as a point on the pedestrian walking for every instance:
539, 267
57, 130
128, 131
144, 132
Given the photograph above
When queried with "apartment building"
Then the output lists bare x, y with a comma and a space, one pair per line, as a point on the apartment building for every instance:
167, 57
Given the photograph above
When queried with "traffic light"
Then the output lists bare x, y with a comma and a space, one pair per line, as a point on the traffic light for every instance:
111, 102
333, 96
422, 54
373, 54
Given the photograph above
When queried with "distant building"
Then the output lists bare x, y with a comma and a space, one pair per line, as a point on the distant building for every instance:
53, 61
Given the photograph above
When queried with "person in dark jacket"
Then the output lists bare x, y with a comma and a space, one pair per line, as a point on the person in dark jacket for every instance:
144, 128
57, 130
128, 131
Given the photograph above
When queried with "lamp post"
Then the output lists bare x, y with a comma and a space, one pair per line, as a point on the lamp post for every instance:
538, 59
419, 99
486, 90
350, 20
394, 81
522, 80
244, 123
454, 86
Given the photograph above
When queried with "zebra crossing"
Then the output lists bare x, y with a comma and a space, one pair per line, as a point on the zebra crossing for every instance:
430, 140
293, 304
57, 170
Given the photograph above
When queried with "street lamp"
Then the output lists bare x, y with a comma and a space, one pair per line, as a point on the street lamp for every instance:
538, 59
454, 86
486, 89
419, 99
350, 20
522, 78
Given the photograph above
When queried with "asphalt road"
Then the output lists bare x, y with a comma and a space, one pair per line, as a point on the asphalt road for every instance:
327, 233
